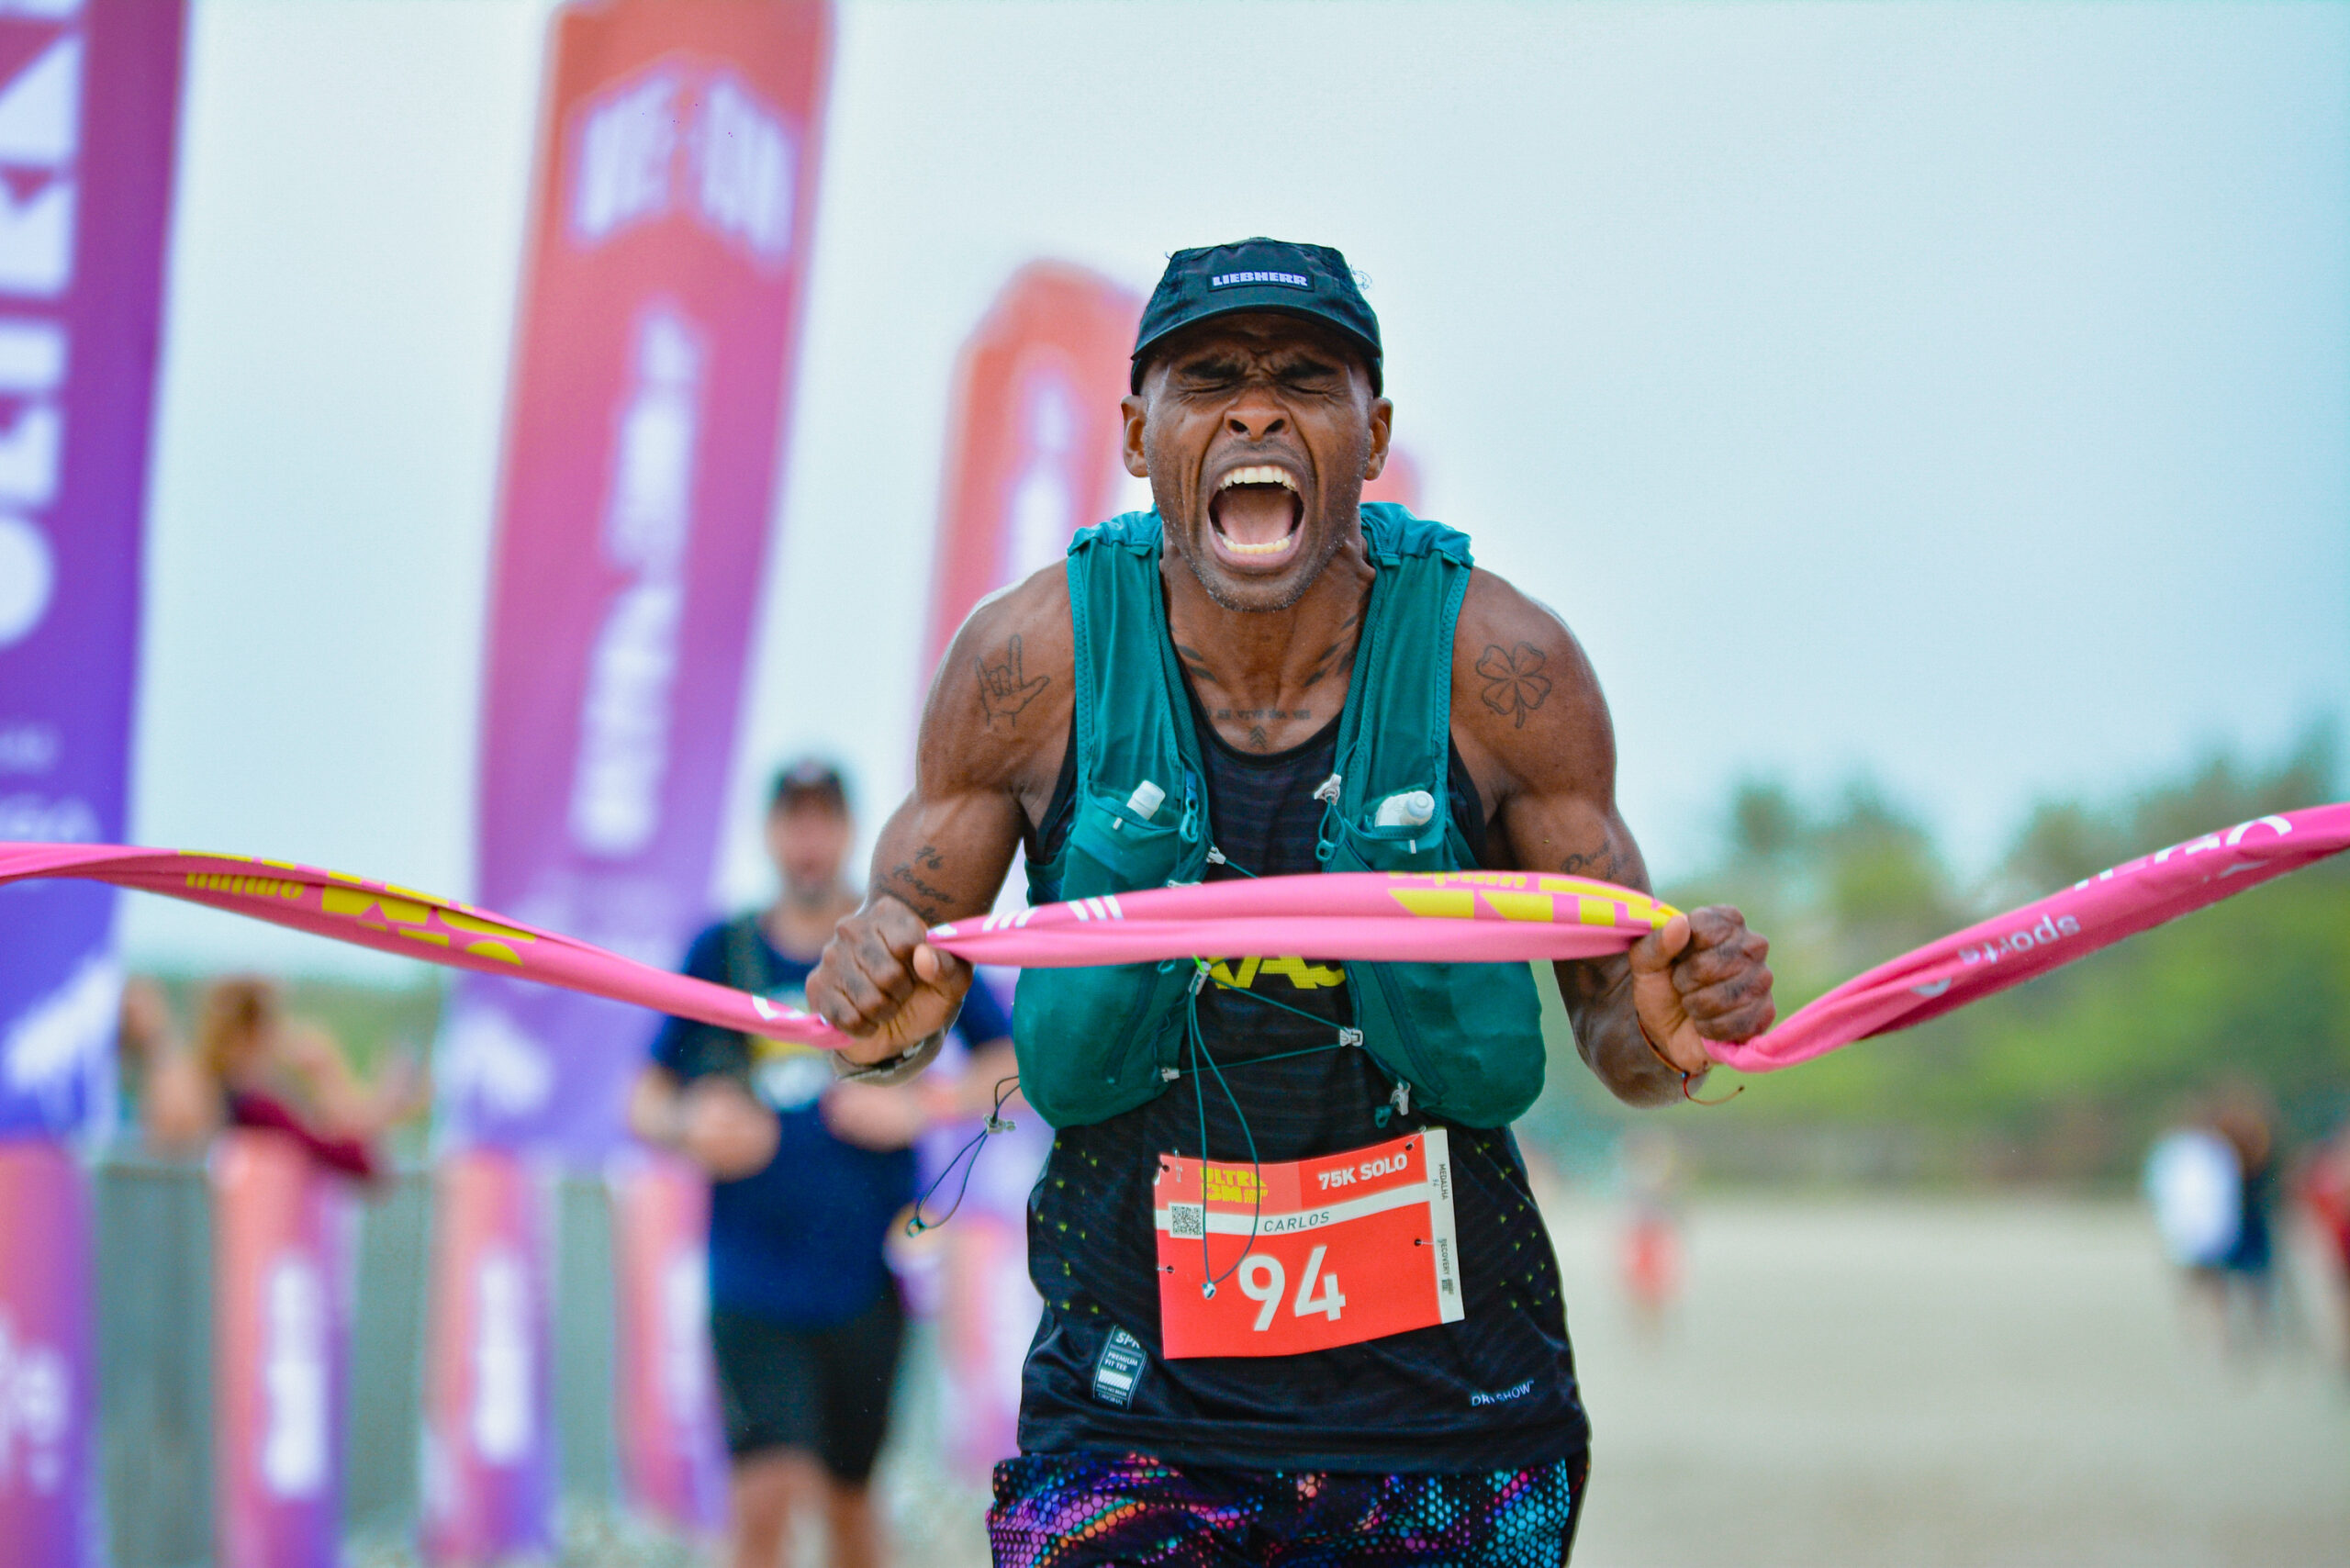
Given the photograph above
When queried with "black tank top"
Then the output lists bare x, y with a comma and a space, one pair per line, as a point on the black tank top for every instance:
1495, 1391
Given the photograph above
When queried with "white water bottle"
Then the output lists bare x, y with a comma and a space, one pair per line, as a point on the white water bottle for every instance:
1411, 808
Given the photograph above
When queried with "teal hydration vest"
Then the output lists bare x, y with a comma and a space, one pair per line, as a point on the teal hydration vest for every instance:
1465, 1038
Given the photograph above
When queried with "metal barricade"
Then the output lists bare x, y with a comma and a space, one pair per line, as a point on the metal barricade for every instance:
155, 1321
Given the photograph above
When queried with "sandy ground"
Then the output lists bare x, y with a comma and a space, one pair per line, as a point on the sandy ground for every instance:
2011, 1383
1908, 1382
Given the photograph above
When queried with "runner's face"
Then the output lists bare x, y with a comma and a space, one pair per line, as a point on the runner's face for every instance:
1257, 432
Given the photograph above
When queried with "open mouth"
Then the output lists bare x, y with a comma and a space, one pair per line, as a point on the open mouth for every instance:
1255, 513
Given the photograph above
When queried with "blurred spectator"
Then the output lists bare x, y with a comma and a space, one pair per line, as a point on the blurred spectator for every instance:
2247, 1271
2213, 1186
808, 1177
163, 1091
253, 1066
2192, 1181
1649, 1169
2325, 1187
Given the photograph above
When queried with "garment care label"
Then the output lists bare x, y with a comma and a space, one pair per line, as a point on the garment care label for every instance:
1347, 1247
1118, 1368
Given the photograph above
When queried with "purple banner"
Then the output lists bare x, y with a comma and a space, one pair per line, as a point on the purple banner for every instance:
668, 258
89, 99
48, 1393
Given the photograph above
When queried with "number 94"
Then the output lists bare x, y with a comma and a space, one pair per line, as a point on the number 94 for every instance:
1262, 1278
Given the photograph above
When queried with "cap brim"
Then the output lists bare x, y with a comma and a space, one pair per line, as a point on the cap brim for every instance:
832, 794
1256, 300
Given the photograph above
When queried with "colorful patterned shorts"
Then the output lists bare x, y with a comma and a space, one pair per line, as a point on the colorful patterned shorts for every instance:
1090, 1509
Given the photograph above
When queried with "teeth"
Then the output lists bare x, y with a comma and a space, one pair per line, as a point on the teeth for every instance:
1260, 474
1275, 548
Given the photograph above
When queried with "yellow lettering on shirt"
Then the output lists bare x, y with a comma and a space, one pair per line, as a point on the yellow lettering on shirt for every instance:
1301, 975
1305, 976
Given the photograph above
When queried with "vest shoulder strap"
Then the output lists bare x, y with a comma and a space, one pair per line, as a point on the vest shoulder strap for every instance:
1129, 693
1397, 732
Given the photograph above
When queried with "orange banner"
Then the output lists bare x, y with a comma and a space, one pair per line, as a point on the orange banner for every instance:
1032, 453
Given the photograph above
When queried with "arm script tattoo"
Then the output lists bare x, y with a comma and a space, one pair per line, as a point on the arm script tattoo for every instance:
1515, 685
1604, 864
1002, 691
928, 898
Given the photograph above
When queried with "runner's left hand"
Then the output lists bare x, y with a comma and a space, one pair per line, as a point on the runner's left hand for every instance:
1702, 978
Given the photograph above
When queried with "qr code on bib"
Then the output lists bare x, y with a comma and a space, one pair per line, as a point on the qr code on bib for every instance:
1187, 1220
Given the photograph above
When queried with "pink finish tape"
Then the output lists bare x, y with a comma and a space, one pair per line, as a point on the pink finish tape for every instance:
1437, 917
412, 925
2048, 934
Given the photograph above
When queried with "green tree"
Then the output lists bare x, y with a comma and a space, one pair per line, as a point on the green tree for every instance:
2069, 1075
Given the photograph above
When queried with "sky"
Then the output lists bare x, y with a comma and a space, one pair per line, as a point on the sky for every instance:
1957, 395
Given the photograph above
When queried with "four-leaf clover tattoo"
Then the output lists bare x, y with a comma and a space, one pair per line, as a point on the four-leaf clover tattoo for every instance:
1514, 682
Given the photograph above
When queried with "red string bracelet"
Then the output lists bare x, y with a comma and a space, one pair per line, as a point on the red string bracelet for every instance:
1686, 1076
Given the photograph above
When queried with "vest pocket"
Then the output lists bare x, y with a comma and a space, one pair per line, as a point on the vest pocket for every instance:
1112, 850
1090, 1041
1474, 1030
1468, 1037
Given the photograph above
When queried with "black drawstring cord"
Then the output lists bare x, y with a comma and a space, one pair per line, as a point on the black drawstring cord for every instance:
997, 1122
1198, 1045
1210, 1280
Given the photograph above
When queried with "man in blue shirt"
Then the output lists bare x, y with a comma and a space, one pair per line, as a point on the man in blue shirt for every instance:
807, 1176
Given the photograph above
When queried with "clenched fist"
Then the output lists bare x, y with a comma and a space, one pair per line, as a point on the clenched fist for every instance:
1702, 978
881, 982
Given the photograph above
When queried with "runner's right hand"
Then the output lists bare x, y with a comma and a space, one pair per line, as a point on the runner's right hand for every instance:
724, 1130
880, 981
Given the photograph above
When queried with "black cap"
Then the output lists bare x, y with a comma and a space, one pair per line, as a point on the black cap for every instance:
1258, 274
809, 781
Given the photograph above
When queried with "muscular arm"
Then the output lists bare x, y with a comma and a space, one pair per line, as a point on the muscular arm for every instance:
1534, 732
992, 736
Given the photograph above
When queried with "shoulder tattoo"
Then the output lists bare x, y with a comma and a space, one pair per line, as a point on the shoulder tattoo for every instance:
1514, 684
1002, 691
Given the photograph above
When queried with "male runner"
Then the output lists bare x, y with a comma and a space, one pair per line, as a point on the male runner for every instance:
1256, 414
808, 1175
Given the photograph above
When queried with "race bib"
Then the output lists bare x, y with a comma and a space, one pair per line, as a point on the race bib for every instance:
1348, 1248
